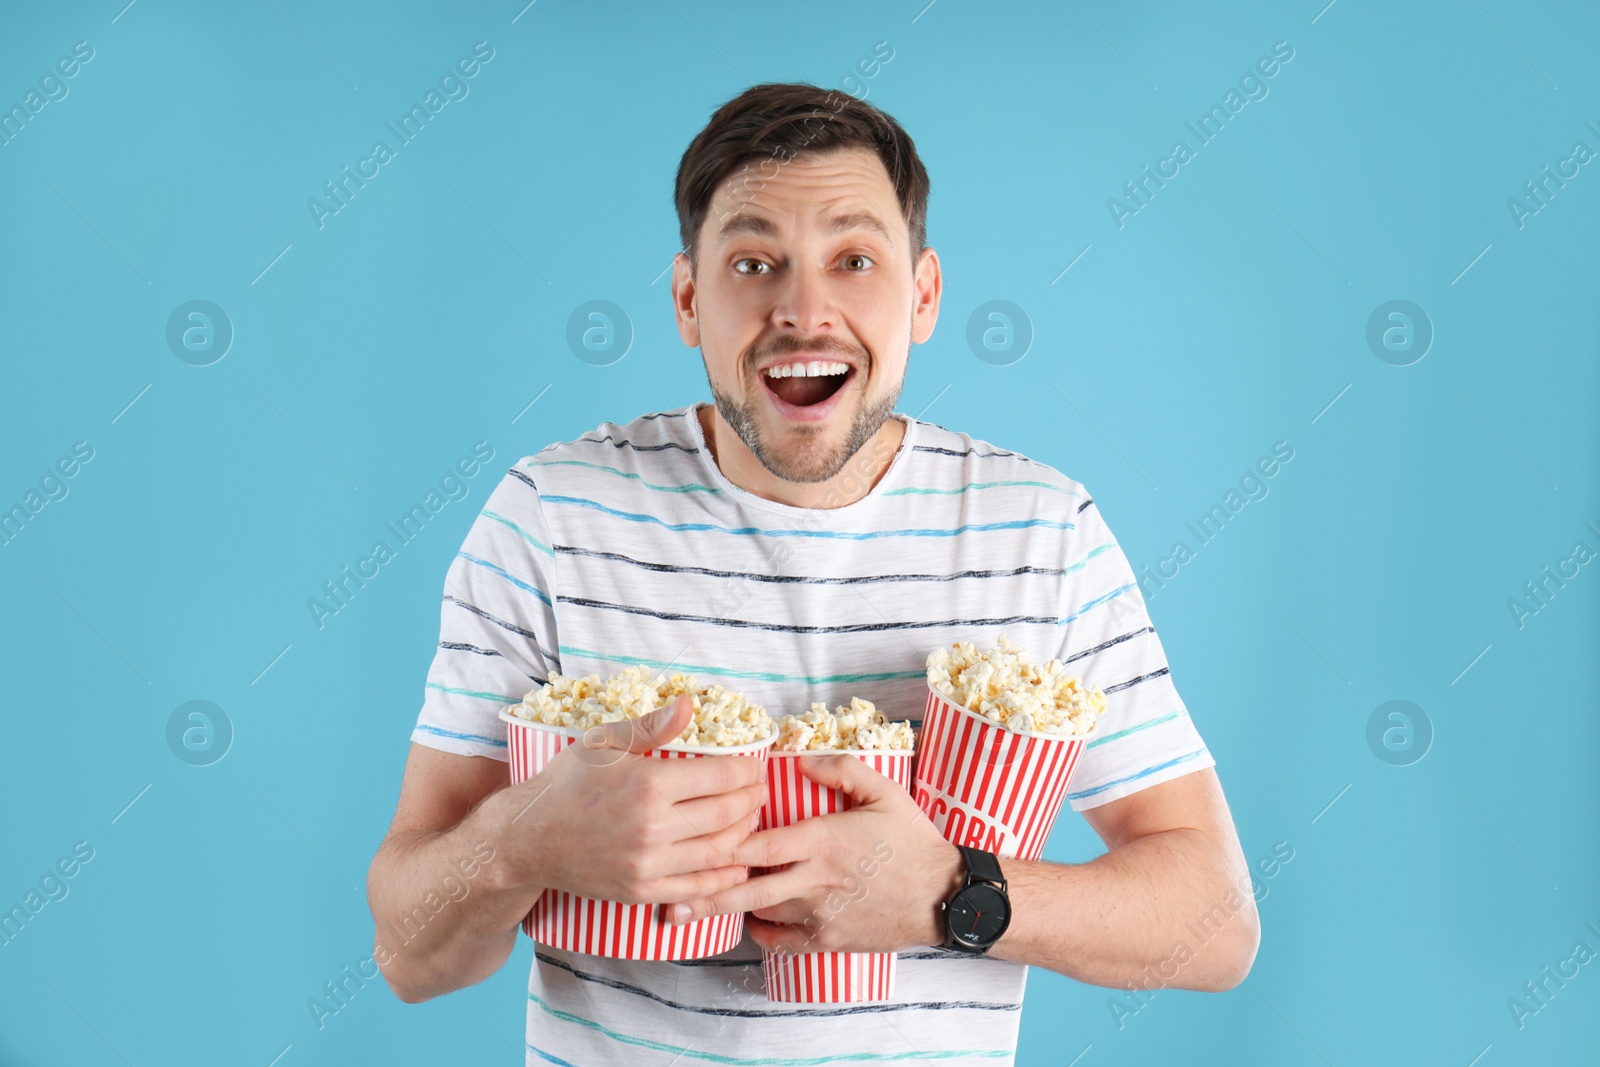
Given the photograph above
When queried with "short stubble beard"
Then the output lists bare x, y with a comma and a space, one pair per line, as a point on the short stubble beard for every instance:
807, 466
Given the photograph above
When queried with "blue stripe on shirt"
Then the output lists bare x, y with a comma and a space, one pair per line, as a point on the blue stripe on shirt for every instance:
496, 742
518, 582
692, 487
807, 579
1135, 728
526, 536
1135, 777
1096, 602
493, 697
765, 676
908, 490
549, 1057
683, 527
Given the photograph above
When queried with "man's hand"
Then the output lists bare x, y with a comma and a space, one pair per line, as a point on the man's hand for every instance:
601, 819
870, 879
615, 824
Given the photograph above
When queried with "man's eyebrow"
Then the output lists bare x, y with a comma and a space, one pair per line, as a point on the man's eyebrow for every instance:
860, 220
759, 226
743, 222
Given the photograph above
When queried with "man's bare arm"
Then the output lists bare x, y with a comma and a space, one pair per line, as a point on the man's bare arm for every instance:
448, 815
468, 855
1174, 877
1169, 905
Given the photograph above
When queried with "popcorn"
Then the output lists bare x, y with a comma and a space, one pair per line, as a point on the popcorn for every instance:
859, 726
1005, 686
722, 717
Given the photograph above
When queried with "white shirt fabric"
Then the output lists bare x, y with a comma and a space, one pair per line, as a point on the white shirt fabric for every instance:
629, 546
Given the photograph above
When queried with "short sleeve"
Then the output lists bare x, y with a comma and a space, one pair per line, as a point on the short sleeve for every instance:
497, 629
1145, 735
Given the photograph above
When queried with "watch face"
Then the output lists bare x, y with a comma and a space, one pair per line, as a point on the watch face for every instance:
978, 915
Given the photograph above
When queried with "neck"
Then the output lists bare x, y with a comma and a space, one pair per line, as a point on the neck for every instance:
855, 479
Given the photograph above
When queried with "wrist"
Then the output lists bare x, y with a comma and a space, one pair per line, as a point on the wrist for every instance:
950, 874
512, 827
980, 912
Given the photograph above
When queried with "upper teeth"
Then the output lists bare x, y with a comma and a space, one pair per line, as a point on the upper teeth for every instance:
808, 370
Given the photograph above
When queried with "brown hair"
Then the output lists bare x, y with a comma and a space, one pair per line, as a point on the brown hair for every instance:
782, 120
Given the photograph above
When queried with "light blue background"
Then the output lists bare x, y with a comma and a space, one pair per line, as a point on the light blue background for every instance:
1223, 317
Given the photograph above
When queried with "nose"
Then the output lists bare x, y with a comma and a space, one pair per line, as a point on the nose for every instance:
804, 304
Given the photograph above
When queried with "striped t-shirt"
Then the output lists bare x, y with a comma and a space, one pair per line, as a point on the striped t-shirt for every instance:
629, 546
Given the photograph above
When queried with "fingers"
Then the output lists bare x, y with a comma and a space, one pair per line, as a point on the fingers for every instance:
697, 885
708, 815
785, 911
779, 845
684, 779
705, 852
756, 893
780, 938
863, 784
648, 731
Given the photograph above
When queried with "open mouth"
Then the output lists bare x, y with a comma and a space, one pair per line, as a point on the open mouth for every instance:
806, 385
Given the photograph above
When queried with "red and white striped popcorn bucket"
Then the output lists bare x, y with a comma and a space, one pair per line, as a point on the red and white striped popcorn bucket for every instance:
608, 927
989, 787
824, 977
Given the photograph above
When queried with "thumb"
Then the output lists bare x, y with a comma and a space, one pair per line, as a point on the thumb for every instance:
648, 731
847, 774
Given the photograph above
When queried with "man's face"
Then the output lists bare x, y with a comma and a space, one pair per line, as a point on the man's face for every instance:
805, 305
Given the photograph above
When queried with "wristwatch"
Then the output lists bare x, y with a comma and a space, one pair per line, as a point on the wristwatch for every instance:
979, 912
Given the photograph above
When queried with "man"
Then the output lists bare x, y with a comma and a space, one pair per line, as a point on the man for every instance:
798, 541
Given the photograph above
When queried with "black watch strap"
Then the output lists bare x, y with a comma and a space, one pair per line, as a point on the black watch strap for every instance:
982, 866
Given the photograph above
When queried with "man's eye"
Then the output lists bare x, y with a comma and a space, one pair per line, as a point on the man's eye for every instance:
748, 260
866, 260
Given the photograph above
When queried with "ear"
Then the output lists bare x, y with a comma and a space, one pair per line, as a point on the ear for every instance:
927, 286
683, 300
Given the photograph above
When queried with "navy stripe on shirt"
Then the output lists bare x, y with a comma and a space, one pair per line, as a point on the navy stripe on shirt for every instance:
796, 628
503, 624
640, 448
802, 579
810, 1012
